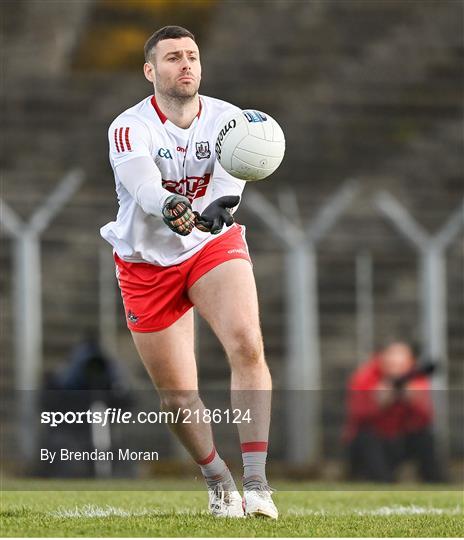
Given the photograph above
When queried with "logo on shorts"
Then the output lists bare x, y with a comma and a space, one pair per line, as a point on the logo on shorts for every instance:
237, 251
132, 317
203, 151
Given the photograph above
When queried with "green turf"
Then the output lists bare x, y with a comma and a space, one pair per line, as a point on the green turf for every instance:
310, 511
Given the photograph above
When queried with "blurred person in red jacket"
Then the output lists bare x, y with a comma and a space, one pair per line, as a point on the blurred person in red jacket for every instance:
390, 417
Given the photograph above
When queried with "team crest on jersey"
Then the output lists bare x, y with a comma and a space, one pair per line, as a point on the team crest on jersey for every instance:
203, 151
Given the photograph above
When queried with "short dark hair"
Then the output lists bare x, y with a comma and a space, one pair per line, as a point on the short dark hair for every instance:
167, 32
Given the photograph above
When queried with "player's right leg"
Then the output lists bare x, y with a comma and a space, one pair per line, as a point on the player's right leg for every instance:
169, 360
226, 298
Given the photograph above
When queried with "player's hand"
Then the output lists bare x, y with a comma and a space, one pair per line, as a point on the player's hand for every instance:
178, 215
217, 214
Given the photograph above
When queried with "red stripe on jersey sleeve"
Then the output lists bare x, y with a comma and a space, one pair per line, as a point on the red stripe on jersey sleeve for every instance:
121, 142
126, 136
116, 140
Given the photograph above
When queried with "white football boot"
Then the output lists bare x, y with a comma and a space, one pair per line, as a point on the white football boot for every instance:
224, 502
257, 498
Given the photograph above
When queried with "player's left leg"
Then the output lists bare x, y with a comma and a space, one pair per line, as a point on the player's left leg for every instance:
226, 297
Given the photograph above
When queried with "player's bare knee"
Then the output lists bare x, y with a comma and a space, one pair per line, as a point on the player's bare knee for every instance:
246, 349
180, 400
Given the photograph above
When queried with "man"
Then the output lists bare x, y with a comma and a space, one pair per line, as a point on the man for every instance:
390, 417
176, 246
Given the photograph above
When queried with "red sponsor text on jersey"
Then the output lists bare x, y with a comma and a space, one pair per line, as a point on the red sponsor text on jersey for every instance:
192, 187
121, 139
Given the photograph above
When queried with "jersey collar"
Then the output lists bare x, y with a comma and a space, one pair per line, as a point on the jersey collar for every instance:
161, 115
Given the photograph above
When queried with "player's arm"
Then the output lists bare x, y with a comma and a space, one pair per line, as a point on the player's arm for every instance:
227, 192
135, 168
142, 179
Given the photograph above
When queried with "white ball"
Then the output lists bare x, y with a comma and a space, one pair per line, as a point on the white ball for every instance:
250, 145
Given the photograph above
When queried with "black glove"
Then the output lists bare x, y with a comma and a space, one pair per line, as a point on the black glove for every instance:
178, 215
216, 214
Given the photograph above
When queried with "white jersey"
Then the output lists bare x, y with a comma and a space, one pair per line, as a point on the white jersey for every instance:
183, 162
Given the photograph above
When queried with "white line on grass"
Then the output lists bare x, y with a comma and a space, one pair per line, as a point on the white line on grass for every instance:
410, 510
395, 510
94, 511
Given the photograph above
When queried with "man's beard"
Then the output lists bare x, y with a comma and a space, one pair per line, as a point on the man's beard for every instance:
180, 94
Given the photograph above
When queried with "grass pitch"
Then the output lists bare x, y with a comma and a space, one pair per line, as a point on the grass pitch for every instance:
77, 508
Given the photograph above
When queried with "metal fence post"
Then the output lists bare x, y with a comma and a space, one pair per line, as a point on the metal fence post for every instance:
301, 432
27, 295
302, 444
364, 306
303, 369
108, 318
433, 311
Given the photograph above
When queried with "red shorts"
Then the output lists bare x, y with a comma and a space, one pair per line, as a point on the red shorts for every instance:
156, 296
